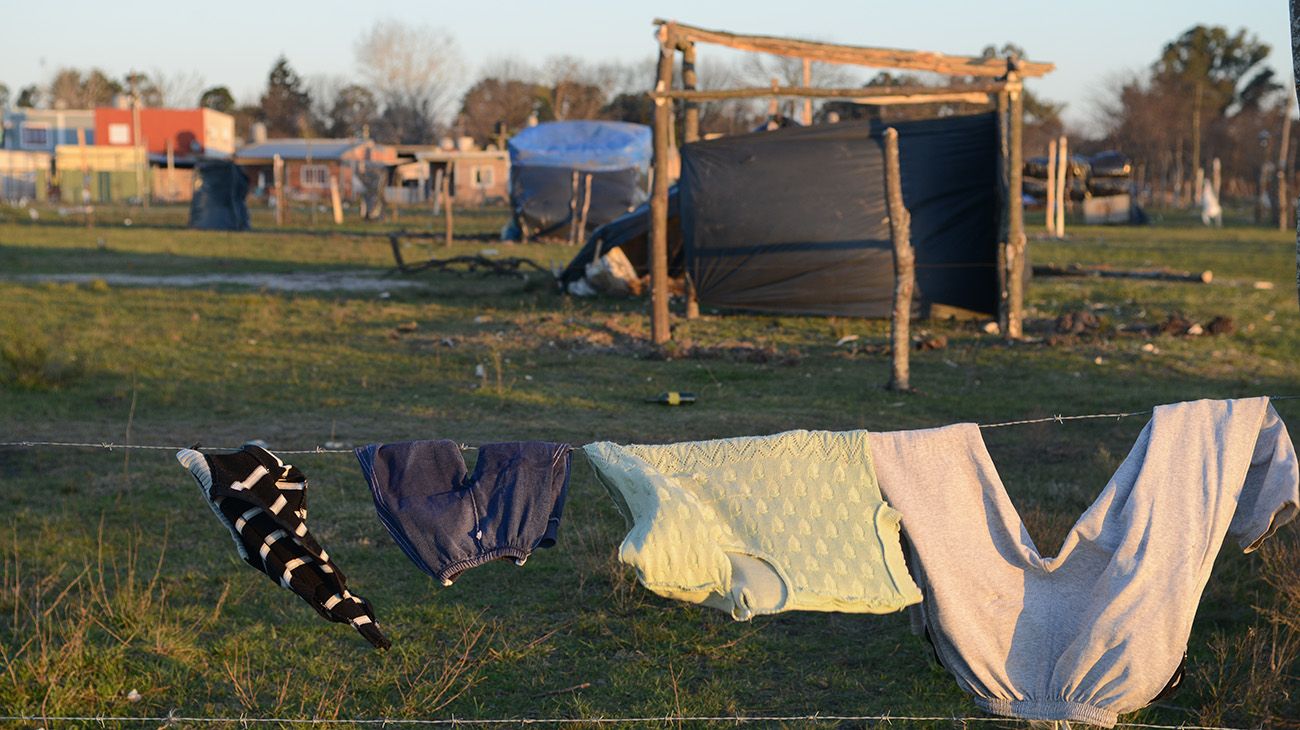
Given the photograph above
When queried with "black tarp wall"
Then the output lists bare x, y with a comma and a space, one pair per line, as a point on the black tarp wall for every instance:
795, 220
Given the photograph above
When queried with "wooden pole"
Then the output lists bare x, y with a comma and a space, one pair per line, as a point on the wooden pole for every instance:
311, 220
774, 104
448, 217
335, 202
586, 206
904, 267
573, 209
171, 170
438, 177
660, 331
277, 177
85, 177
1196, 142
854, 55
1017, 242
1050, 218
1004, 209
1283, 153
1062, 192
690, 133
1295, 75
691, 117
807, 82
1216, 179
974, 92
136, 141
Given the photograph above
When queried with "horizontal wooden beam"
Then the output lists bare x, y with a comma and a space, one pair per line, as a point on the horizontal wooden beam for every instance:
876, 95
858, 55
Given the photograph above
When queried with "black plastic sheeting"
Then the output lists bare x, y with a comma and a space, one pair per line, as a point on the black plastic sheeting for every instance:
540, 197
795, 220
220, 190
631, 232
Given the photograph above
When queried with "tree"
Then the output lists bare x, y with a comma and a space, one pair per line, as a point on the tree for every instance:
353, 110
414, 68
217, 98
147, 91
494, 101
28, 97
286, 105
1206, 96
573, 93
174, 88
1212, 70
4, 96
404, 123
70, 90
637, 108
245, 117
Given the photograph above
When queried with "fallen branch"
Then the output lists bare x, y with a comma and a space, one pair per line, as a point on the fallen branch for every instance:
574, 688
510, 266
1105, 272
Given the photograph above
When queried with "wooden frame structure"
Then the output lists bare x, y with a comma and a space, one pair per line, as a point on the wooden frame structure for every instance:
1000, 83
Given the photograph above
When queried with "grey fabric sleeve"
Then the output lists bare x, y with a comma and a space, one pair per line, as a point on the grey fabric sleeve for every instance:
1270, 497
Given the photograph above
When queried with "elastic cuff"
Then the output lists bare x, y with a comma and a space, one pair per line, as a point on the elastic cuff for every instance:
1049, 710
447, 574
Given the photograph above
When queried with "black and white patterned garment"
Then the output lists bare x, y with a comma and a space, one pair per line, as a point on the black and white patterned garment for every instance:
263, 502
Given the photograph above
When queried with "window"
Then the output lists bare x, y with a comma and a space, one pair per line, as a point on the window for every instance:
314, 176
35, 135
119, 134
483, 177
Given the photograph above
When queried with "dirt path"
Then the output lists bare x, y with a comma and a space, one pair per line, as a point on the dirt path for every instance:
332, 281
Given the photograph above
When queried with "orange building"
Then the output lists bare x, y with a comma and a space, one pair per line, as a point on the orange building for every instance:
184, 133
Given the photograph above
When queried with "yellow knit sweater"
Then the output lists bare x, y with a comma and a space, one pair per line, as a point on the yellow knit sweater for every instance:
759, 525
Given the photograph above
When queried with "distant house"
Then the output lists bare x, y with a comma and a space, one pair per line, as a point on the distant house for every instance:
101, 173
42, 130
310, 163
478, 176
24, 175
185, 134
175, 139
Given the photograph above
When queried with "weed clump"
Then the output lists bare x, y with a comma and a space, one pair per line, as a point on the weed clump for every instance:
38, 364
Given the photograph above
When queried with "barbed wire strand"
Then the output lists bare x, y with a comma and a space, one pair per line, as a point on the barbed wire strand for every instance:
466, 447
667, 719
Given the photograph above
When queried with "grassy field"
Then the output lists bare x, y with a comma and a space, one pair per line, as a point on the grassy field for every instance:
116, 578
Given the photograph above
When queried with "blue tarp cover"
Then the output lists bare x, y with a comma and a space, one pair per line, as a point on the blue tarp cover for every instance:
592, 146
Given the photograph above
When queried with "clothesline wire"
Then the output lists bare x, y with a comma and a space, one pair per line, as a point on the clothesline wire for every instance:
27, 444
665, 719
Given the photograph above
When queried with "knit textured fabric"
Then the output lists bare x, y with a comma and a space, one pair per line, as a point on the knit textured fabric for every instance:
263, 502
447, 522
759, 525
1100, 629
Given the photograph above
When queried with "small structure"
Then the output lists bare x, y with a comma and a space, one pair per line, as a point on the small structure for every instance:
24, 175
569, 177
42, 130
1001, 87
101, 174
306, 166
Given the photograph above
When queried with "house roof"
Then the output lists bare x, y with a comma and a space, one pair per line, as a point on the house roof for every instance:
439, 155
299, 149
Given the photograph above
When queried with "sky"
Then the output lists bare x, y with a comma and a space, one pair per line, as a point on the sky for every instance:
234, 42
